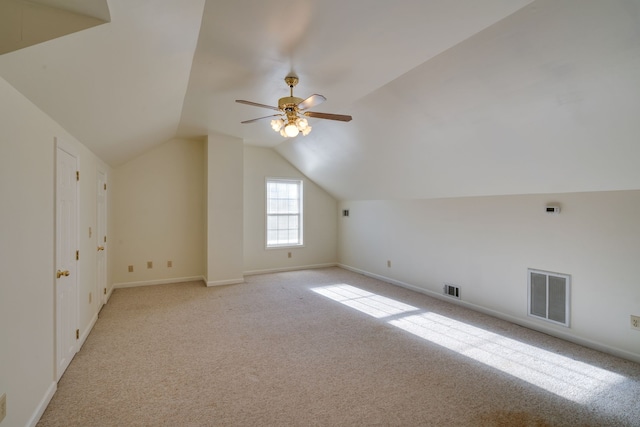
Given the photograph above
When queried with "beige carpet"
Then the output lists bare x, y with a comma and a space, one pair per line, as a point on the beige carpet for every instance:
329, 347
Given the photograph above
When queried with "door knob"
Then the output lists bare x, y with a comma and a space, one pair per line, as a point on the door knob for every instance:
101, 248
60, 273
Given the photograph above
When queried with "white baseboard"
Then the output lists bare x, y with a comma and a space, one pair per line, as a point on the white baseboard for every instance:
158, 282
509, 318
224, 282
282, 269
42, 405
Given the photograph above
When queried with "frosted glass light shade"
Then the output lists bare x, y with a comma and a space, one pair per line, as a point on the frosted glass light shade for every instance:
291, 130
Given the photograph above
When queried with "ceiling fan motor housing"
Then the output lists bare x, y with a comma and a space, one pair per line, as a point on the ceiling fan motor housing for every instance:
289, 103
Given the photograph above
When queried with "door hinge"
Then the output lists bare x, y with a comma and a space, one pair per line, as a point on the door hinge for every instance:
77, 334
105, 186
77, 255
105, 239
77, 175
105, 291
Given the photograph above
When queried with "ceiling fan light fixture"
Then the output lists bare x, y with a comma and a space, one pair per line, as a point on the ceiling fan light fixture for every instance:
301, 123
291, 130
291, 111
277, 124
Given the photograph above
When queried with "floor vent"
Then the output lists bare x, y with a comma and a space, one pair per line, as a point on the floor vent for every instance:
451, 290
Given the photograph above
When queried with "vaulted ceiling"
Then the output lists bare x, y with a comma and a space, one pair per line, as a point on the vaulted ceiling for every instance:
449, 97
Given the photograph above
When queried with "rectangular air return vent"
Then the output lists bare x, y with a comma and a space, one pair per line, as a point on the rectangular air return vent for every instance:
452, 290
548, 295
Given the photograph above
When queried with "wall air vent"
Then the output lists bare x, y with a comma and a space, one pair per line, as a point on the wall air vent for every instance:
451, 290
549, 296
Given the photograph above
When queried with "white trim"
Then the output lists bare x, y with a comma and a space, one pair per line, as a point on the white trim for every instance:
281, 269
225, 282
157, 282
42, 405
100, 170
516, 320
300, 183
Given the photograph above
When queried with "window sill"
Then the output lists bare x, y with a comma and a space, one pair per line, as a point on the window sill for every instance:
270, 248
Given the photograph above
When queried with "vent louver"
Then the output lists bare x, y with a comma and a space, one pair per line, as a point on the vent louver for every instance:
451, 290
548, 295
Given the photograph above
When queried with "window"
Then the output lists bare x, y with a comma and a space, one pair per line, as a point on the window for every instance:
549, 296
284, 212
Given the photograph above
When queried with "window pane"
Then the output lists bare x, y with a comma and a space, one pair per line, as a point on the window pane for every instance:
272, 222
282, 190
283, 223
284, 220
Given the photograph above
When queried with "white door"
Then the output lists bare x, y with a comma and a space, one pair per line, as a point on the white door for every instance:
66, 263
101, 238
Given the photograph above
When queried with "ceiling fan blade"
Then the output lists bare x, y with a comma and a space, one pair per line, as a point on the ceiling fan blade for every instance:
339, 117
261, 118
311, 102
255, 104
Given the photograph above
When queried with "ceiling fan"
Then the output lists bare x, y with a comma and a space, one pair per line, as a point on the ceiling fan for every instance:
292, 112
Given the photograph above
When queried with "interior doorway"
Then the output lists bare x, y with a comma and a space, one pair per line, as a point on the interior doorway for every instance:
101, 238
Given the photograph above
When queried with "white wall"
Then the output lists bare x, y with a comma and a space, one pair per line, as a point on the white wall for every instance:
485, 245
320, 217
202, 205
27, 252
224, 210
158, 214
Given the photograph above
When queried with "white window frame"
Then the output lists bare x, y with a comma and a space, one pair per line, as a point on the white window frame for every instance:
300, 214
567, 297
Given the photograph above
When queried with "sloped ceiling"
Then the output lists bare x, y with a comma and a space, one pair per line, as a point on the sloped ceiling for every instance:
25, 23
449, 97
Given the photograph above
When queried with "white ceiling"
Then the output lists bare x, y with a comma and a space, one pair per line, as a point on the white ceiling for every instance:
448, 97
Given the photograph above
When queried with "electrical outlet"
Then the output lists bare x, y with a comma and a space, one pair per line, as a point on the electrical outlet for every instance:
635, 322
169, 264
389, 264
3, 406
289, 255
131, 269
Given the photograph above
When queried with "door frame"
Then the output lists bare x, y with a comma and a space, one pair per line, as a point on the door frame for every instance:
101, 234
61, 144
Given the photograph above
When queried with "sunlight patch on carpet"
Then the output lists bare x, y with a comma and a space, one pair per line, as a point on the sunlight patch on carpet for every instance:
568, 378
364, 301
